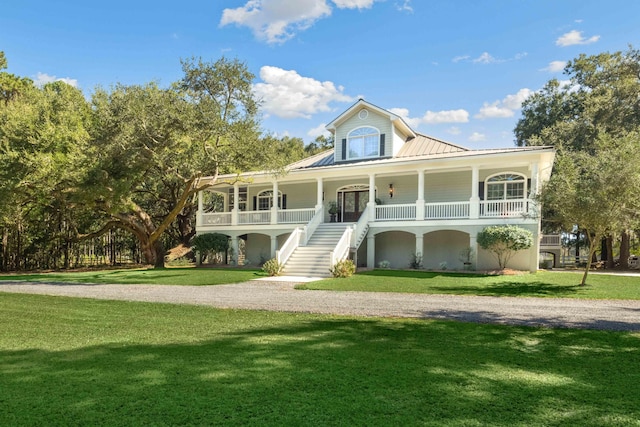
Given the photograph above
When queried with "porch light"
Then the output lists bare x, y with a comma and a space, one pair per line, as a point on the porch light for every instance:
391, 191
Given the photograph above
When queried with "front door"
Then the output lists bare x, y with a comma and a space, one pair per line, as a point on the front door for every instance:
352, 204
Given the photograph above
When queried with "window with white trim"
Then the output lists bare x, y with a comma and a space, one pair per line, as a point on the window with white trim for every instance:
264, 200
363, 142
506, 186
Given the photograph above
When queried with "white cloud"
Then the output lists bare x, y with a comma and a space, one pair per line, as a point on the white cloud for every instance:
505, 107
287, 94
405, 7
276, 21
454, 130
353, 4
575, 37
319, 130
555, 66
432, 117
460, 58
485, 58
477, 137
43, 78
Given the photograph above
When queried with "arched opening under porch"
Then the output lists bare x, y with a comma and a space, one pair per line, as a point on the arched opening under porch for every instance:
396, 247
442, 249
259, 247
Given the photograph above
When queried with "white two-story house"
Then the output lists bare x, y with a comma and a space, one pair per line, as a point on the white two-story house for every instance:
398, 195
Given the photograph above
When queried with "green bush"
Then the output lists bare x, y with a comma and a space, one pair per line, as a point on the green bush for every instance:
504, 241
344, 268
272, 267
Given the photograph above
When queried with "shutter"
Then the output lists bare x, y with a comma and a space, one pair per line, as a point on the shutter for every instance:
481, 190
284, 201
528, 188
381, 154
255, 207
344, 148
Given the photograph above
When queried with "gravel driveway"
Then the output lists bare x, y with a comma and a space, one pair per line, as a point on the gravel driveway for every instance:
622, 315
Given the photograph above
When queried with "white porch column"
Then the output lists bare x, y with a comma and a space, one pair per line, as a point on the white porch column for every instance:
200, 212
372, 202
473, 243
235, 247
274, 246
533, 191
419, 244
371, 251
319, 193
236, 204
474, 201
274, 208
534, 253
420, 199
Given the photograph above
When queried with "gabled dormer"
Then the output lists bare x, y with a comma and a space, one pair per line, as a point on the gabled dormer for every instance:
368, 132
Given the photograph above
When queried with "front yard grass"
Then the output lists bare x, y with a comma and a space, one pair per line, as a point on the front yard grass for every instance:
162, 276
66, 361
542, 284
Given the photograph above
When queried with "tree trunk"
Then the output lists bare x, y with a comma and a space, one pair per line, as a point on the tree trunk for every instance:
610, 264
592, 250
5, 249
604, 252
625, 243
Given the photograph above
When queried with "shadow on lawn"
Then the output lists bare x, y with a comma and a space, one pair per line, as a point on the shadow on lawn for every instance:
333, 372
518, 289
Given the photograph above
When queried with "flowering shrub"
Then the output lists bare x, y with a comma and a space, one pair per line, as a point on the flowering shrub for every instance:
344, 268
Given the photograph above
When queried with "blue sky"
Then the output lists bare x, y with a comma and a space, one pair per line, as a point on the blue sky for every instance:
456, 70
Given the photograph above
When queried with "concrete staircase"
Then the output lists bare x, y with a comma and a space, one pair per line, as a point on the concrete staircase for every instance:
314, 260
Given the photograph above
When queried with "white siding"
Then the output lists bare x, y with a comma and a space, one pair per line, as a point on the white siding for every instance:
447, 187
378, 121
444, 246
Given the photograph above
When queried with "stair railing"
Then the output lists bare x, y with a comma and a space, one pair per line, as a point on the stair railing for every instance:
282, 255
312, 225
341, 251
360, 229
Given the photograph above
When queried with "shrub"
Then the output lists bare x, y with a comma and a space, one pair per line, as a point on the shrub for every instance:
443, 265
344, 268
504, 241
416, 261
384, 264
272, 267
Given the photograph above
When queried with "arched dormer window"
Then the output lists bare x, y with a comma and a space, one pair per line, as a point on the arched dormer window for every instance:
363, 142
506, 186
264, 200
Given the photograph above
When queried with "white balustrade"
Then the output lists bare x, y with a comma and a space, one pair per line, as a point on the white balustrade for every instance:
295, 216
446, 210
289, 246
254, 217
216, 218
397, 212
504, 208
341, 250
360, 229
311, 226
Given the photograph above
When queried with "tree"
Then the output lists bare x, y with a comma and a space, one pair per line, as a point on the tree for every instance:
599, 191
601, 100
320, 144
152, 147
504, 241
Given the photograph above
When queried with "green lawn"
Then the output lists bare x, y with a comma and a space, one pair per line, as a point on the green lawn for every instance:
542, 284
66, 361
164, 276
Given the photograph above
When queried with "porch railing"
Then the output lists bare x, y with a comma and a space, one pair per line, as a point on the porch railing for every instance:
254, 217
311, 226
446, 210
396, 212
360, 229
216, 218
295, 216
504, 208
341, 251
550, 240
289, 246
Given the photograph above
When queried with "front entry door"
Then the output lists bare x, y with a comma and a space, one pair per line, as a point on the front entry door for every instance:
353, 203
